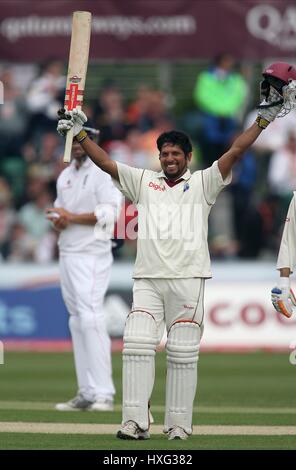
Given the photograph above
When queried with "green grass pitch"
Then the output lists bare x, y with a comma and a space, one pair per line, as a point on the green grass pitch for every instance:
256, 389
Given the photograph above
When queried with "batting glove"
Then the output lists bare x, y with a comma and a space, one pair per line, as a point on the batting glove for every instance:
269, 108
283, 300
69, 119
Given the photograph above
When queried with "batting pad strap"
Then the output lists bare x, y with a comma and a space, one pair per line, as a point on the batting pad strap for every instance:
140, 334
183, 343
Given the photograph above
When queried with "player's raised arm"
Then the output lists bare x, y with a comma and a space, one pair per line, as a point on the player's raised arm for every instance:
76, 119
277, 92
239, 146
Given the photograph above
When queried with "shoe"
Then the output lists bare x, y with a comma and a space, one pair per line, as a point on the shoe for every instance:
103, 404
77, 403
177, 432
130, 430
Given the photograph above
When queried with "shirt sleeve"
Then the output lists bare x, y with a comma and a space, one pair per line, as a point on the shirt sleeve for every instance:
213, 182
130, 179
287, 252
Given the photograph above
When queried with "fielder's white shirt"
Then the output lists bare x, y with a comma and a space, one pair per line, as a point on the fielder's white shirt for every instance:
172, 221
287, 252
81, 191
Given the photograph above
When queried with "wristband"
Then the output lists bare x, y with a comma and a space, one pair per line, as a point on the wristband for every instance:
262, 123
81, 136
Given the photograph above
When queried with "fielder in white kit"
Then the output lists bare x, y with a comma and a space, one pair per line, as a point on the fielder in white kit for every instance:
86, 197
170, 270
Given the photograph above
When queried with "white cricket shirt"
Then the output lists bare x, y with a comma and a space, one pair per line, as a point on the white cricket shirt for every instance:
80, 191
172, 221
287, 252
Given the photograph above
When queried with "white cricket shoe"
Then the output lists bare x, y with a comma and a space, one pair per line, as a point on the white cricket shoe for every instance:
176, 432
77, 403
130, 430
103, 404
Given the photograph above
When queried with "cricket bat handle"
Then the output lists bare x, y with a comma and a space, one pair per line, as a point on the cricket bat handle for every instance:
68, 146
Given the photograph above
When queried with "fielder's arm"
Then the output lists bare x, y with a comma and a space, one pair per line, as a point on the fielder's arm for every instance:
71, 218
239, 146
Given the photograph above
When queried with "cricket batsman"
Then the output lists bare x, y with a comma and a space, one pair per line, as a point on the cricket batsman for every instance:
173, 259
282, 296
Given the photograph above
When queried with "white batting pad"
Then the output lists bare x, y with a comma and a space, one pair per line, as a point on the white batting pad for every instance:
182, 356
140, 340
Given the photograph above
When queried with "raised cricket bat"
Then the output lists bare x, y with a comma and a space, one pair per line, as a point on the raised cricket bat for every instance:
77, 68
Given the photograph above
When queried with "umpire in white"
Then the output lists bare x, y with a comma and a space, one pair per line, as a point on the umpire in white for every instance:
87, 204
170, 271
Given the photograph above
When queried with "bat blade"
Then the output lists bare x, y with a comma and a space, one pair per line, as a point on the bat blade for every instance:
77, 68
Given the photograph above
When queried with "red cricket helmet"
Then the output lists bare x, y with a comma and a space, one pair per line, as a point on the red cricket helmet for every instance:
279, 74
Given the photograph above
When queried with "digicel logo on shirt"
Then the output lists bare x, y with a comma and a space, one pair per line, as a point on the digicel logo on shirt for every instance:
156, 186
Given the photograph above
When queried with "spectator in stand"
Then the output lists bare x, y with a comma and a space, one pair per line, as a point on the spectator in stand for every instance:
31, 214
45, 97
7, 217
139, 108
150, 106
13, 117
282, 170
130, 151
276, 135
275, 139
33, 238
109, 114
21, 246
220, 93
242, 204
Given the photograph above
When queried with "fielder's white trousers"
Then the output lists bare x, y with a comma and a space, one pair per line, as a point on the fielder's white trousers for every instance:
84, 281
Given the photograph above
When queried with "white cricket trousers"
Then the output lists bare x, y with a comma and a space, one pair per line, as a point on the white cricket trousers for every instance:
84, 281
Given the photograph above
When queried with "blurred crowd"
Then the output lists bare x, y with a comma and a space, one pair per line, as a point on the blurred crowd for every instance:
246, 221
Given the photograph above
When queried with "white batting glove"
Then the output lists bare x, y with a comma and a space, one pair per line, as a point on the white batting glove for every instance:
283, 299
289, 95
267, 115
75, 119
